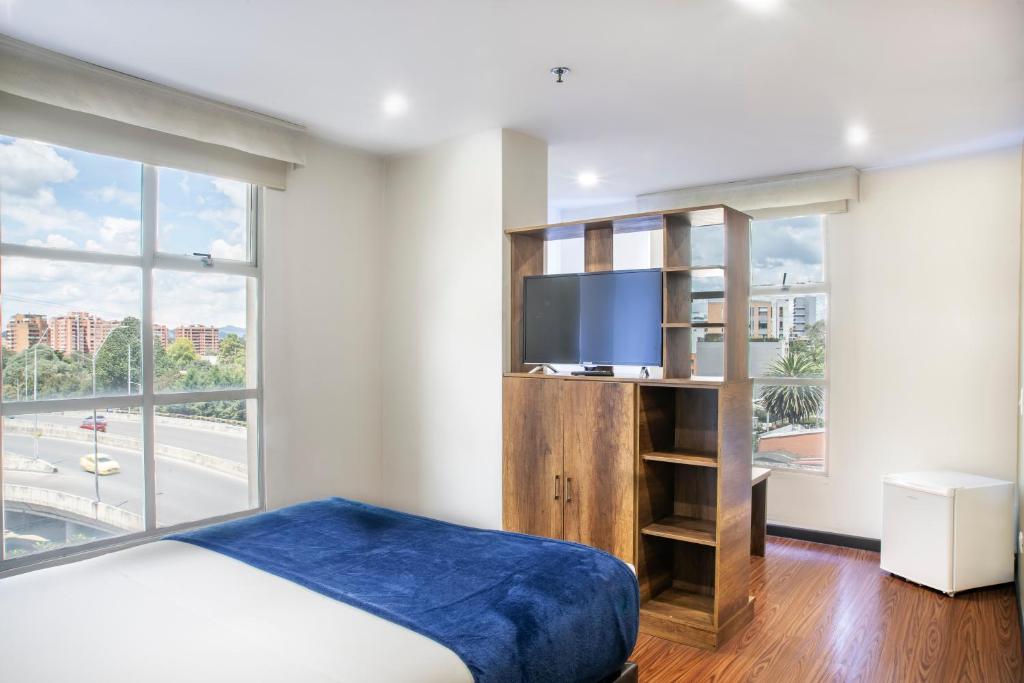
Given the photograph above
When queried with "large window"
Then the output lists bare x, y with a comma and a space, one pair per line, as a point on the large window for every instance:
130, 358
788, 330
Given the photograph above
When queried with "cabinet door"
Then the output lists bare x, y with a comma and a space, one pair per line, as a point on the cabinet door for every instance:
532, 456
600, 443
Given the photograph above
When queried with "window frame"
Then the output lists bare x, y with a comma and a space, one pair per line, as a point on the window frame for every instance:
148, 261
823, 288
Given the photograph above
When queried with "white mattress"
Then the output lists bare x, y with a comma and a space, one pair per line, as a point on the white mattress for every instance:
170, 611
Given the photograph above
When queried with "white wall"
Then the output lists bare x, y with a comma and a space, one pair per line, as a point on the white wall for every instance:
924, 307
322, 358
443, 340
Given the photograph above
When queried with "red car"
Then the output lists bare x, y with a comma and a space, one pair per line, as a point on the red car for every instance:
100, 426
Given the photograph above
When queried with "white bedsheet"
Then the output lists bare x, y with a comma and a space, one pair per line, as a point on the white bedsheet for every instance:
170, 611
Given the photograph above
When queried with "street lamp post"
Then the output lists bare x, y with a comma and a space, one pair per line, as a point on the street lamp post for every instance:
35, 397
95, 434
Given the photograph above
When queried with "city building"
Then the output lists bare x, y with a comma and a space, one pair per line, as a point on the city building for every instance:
205, 338
804, 315
762, 319
79, 332
24, 330
160, 335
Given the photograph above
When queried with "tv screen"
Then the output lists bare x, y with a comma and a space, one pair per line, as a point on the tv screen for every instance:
551, 319
609, 318
620, 318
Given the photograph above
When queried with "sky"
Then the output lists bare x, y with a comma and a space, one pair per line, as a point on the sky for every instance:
56, 197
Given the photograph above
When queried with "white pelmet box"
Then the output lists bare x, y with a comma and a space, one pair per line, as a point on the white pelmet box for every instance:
948, 530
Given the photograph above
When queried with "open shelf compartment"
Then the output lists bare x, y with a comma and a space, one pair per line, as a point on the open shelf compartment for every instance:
679, 424
681, 583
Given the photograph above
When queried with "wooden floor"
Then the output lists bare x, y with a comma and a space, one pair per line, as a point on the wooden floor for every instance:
830, 614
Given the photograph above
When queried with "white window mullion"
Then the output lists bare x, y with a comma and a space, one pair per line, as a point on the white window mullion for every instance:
149, 219
203, 395
192, 264
69, 405
72, 255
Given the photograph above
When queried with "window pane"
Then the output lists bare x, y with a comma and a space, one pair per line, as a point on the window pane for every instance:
707, 245
708, 358
65, 319
788, 335
789, 426
203, 451
201, 213
787, 251
200, 323
563, 256
57, 197
55, 495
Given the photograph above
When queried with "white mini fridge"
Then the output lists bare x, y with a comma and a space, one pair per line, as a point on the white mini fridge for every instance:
950, 531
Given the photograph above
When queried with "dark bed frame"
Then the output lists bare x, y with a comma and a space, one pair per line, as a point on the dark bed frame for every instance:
626, 675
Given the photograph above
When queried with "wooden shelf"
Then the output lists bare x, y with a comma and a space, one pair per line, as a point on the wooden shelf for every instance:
681, 606
696, 325
685, 529
683, 458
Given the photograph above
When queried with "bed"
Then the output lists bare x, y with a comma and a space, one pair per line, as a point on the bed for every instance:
329, 590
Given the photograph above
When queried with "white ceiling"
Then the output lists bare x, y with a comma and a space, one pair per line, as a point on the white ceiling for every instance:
663, 94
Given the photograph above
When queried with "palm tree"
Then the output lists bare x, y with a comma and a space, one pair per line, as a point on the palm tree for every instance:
791, 402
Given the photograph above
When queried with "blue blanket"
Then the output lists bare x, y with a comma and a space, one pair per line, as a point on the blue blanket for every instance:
513, 607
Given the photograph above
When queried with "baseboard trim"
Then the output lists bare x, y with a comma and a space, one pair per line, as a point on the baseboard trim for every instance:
826, 537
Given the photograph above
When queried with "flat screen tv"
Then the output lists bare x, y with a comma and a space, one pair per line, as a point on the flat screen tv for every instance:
608, 318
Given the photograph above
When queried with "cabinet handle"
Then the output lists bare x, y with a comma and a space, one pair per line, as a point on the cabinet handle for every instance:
568, 489
558, 485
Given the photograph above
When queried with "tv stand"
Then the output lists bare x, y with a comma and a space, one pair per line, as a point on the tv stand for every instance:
655, 471
594, 371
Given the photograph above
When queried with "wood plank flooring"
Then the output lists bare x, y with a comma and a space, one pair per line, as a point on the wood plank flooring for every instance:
830, 614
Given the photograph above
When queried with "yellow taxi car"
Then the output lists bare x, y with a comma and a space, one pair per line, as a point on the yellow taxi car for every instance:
107, 464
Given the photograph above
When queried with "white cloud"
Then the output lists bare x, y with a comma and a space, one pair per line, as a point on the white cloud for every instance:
56, 241
236, 192
26, 167
117, 195
226, 219
115, 229
222, 249
206, 299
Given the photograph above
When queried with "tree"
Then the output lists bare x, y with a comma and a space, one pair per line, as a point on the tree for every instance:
41, 369
112, 358
232, 351
793, 403
812, 344
181, 352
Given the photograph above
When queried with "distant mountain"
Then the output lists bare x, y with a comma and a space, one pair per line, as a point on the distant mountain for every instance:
231, 329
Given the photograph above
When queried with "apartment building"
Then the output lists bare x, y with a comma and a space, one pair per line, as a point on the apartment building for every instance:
205, 338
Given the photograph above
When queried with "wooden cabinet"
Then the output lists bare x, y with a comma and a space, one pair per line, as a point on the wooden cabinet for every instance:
570, 461
532, 463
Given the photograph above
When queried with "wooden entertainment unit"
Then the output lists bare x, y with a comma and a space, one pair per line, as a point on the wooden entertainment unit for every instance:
655, 471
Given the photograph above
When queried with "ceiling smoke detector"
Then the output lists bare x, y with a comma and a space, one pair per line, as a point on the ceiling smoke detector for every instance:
560, 72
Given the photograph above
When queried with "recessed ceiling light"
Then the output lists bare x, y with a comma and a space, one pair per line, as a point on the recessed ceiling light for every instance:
395, 104
857, 135
587, 179
761, 5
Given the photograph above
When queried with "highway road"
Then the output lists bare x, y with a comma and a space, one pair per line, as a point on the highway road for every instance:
185, 492
223, 444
